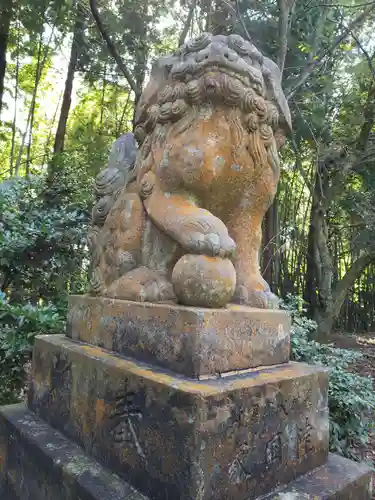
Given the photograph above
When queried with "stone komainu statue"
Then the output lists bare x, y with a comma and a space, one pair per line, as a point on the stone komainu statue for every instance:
179, 219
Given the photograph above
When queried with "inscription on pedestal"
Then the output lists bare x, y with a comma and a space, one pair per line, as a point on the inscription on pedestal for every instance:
293, 441
274, 451
304, 440
60, 385
249, 416
238, 471
124, 426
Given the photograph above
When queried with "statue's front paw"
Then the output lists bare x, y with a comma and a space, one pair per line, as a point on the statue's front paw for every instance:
142, 285
258, 295
215, 244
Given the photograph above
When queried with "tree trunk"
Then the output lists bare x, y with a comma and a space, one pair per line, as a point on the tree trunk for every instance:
319, 273
141, 57
30, 116
285, 10
38, 74
14, 122
270, 245
67, 96
327, 317
5, 19
102, 101
187, 24
310, 295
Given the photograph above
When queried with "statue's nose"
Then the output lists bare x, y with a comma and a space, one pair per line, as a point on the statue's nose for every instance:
216, 52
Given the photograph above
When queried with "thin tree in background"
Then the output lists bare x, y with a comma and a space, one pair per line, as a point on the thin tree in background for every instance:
14, 122
58, 146
6, 12
42, 56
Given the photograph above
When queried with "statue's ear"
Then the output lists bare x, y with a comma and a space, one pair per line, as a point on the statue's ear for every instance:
123, 152
159, 75
272, 79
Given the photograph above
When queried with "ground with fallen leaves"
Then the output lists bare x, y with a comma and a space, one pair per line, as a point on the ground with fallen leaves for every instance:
366, 366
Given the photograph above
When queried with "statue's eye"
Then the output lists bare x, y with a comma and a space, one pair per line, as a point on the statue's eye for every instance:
238, 44
198, 43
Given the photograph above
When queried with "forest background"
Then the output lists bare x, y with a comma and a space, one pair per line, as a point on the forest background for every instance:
71, 72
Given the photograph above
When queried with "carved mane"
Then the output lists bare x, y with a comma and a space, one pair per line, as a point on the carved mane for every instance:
243, 80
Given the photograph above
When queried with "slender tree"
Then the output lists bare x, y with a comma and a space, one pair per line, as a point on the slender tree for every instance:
67, 96
6, 12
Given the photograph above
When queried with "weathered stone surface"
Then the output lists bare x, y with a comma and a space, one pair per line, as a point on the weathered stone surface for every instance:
209, 124
176, 438
6, 490
187, 340
337, 479
39, 463
204, 281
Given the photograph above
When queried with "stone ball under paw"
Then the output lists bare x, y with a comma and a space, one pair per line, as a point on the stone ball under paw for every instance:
204, 281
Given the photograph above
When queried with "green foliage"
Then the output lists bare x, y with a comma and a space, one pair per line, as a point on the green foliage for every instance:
351, 396
19, 323
42, 247
101, 115
140, 30
42, 258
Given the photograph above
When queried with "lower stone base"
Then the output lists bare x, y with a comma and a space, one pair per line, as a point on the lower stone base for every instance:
39, 463
338, 479
175, 438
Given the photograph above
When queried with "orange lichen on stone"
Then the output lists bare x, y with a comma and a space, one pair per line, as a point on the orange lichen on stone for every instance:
3, 454
143, 420
100, 411
199, 280
209, 125
116, 365
187, 340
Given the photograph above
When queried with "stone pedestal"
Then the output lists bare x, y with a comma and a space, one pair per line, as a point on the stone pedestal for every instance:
191, 341
200, 422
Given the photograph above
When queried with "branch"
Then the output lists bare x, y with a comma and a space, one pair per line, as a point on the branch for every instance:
368, 122
236, 12
189, 19
315, 63
365, 53
112, 48
299, 166
285, 8
341, 288
240, 18
340, 5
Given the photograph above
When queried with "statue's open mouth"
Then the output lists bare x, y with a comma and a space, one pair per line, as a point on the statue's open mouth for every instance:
215, 69
247, 76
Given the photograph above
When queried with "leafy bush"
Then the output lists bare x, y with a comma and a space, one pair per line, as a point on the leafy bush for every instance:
351, 396
19, 324
43, 257
42, 245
